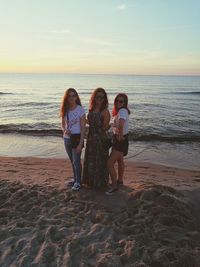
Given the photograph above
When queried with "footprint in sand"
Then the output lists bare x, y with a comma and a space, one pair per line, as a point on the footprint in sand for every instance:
11, 171
196, 180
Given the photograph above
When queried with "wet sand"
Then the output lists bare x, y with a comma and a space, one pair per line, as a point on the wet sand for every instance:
153, 220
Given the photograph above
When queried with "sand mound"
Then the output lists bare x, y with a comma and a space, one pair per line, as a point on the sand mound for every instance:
45, 226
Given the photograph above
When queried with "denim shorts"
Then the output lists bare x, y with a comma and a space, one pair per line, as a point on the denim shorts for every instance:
121, 146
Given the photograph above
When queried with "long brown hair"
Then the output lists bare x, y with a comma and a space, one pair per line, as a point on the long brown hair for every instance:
65, 105
93, 96
115, 110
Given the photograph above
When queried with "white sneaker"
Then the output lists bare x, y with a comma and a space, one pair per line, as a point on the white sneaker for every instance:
111, 191
76, 187
69, 183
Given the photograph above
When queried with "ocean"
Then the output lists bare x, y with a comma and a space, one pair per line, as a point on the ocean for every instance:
164, 119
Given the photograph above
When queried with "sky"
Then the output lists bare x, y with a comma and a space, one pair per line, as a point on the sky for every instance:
100, 36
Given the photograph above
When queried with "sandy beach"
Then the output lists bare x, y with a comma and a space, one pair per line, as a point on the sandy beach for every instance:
153, 220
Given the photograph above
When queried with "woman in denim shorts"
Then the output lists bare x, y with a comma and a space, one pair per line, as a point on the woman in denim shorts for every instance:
120, 128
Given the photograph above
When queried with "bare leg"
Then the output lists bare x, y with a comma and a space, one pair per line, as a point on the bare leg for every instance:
114, 156
120, 162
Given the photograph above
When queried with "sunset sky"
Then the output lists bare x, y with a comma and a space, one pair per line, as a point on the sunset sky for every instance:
100, 36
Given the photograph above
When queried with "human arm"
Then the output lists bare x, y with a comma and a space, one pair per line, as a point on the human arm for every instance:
63, 125
64, 130
87, 120
82, 125
120, 136
122, 117
106, 119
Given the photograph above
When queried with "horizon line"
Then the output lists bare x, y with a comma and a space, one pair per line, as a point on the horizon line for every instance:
84, 73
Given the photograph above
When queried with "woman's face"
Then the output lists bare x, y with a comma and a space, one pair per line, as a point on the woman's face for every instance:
99, 98
119, 102
72, 97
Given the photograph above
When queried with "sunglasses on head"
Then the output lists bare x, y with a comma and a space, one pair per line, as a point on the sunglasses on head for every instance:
101, 97
119, 101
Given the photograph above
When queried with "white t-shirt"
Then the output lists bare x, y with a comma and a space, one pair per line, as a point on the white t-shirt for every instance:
72, 123
122, 114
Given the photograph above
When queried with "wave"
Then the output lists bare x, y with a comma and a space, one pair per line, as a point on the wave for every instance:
35, 104
43, 129
186, 93
151, 137
3, 93
36, 130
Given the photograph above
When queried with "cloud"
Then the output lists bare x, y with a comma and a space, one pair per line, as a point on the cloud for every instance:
98, 42
61, 31
172, 28
154, 55
121, 7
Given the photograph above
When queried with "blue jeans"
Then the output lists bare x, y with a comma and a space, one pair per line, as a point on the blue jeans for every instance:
75, 159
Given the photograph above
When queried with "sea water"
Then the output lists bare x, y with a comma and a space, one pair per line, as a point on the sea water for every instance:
164, 119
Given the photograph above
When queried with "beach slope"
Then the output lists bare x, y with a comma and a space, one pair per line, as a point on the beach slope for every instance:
153, 220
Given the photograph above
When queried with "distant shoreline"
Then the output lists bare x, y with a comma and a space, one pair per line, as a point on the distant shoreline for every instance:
109, 74
185, 156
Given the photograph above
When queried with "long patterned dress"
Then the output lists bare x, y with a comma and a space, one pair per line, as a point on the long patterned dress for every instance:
95, 173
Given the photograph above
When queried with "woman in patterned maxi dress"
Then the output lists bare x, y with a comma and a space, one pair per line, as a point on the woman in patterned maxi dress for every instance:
95, 172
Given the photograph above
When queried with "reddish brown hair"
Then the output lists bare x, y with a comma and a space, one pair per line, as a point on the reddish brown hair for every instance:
92, 99
115, 110
65, 105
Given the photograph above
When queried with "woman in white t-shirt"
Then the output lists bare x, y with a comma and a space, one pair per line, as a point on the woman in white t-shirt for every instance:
120, 127
73, 127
